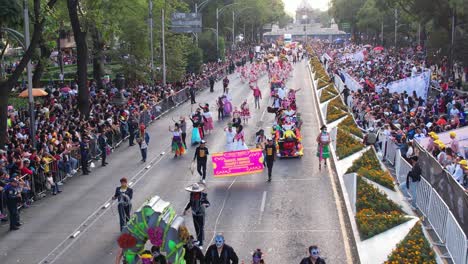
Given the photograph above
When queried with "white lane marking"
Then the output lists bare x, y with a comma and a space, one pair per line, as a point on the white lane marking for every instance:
339, 205
221, 211
106, 205
86, 227
262, 207
263, 115
75, 234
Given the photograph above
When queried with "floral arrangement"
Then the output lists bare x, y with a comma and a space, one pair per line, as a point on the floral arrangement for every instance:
126, 241
334, 114
350, 126
414, 248
375, 212
155, 235
368, 166
346, 145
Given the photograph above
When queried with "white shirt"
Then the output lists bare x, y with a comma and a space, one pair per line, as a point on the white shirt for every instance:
458, 174
281, 93
230, 136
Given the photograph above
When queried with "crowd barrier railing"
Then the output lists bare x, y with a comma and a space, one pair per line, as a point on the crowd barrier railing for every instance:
431, 205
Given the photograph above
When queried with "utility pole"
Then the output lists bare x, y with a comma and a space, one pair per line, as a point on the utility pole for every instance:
217, 33
150, 2
382, 33
32, 125
233, 28
163, 46
396, 27
452, 45
419, 33
196, 33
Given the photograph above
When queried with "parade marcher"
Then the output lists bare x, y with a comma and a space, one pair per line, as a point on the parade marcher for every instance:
314, 256
257, 93
13, 198
220, 105
197, 203
239, 139
192, 93
158, 258
208, 118
84, 152
225, 84
183, 129
236, 118
193, 254
143, 140
260, 138
220, 252
245, 112
178, 146
230, 134
270, 155
102, 142
201, 155
124, 195
323, 148
197, 124
212, 83
257, 257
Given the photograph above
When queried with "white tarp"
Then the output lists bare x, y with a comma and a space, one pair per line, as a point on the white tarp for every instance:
357, 56
418, 83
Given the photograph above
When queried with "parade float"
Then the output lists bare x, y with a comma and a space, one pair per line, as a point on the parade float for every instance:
157, 222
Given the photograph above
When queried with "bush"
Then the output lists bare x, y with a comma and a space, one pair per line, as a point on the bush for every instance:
195, 60
346, 145
375, 212
414, 248
350, 126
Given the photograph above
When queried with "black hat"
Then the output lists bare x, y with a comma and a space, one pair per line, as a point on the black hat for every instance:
323, 127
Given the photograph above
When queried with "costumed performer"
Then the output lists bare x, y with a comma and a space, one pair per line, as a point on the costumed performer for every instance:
178, 147
323, 142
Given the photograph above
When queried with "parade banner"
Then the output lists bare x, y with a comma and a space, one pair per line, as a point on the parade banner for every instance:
235, 163
418, 83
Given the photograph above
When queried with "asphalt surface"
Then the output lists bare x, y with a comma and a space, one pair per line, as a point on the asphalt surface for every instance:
284, 217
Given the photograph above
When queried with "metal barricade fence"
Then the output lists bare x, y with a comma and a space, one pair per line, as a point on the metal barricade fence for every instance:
456, 240
437, 215
402, 167
423, 192
392, 148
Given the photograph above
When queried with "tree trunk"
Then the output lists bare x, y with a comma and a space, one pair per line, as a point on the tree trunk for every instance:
81, 59
7, 85
40, 67
98, 57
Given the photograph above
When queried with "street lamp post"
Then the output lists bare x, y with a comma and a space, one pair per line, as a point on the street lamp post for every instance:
304, 17
199, 8
150, 22
219, 12
27, 40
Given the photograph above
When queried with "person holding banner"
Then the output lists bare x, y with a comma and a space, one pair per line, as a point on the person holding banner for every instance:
201, 155
230, 134
270, 155
323, 151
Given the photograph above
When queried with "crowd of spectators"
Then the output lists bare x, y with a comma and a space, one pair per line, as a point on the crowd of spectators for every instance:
63, 136
403, 117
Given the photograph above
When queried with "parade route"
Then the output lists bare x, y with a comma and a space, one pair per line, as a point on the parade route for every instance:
283, 217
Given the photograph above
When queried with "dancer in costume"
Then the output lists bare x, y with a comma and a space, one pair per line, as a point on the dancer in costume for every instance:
236, 118
227, 105
230, 134
245, 112
239, 139
196, 119
208, 117
178, 147
323, 141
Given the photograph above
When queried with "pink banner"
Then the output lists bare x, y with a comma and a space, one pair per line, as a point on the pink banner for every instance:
235, 163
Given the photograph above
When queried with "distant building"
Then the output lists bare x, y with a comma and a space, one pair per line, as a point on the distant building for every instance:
305, 25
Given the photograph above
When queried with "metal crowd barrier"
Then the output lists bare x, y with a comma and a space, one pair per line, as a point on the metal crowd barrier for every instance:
431, 205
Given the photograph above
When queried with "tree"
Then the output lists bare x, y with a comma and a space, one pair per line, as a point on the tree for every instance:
6, 85
195, 60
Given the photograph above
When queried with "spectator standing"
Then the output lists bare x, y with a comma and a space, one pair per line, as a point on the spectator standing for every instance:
143, 140
84, 152
212, 83
132, 127
13, 197
102, 142
192, 93
413, 178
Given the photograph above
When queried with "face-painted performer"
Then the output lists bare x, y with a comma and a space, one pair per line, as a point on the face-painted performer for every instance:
220, 252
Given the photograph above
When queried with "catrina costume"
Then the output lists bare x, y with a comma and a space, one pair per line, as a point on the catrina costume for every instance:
177, 145
323, 140
197, 130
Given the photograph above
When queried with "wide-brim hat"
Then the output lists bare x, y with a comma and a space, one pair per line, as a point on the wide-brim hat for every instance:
195, 188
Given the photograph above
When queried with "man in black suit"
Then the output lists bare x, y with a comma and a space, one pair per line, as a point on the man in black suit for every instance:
124, 195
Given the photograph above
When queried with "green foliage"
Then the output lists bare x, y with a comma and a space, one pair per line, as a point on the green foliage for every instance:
10, 13
207, 42
195, 60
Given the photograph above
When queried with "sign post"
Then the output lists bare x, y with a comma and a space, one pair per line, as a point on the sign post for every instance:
186, 22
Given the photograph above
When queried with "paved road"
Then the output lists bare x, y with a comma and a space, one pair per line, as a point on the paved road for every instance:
297, 209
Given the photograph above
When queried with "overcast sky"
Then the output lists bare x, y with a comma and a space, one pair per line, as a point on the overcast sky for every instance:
291, 5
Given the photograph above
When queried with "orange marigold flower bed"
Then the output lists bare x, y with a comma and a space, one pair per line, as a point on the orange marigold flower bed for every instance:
349, 125
339, 104
368, 166
368, 160
346, 145
414, 248
375, 212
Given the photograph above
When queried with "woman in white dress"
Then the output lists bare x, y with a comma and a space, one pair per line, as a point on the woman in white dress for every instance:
230, 134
